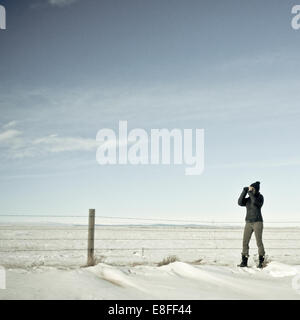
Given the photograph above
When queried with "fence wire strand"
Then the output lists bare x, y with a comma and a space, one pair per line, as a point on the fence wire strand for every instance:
213, 227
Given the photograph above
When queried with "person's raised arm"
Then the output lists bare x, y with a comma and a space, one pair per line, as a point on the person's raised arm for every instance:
242, 199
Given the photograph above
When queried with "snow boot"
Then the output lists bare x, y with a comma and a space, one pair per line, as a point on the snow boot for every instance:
261, 262
244, 262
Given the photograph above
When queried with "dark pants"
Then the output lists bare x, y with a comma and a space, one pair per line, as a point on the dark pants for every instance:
257, 227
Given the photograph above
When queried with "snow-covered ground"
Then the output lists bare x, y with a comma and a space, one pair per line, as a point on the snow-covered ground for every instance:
177, 280
127, 258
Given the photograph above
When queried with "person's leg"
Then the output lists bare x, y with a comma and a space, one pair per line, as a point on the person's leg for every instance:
258, 231
248, 230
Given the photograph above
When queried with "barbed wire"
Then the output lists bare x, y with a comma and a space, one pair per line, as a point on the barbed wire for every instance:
214, 227
136, 218
144, 239
266, 230
45, 229
136, 249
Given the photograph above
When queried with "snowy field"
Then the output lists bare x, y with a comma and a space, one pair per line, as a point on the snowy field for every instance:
48, 262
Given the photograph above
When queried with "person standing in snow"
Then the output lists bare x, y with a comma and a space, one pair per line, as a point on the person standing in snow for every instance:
254, 221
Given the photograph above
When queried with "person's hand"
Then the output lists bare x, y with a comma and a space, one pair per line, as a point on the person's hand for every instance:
246, 189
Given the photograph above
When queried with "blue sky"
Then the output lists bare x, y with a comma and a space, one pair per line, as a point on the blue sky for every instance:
70, 68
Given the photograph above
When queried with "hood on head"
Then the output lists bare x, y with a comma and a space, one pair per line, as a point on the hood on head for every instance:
256, 186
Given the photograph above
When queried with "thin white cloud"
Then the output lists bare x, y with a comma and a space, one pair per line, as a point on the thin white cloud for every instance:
265, 59
54, 143
10, 124
8, 135
17, 145
61, 3
258, 164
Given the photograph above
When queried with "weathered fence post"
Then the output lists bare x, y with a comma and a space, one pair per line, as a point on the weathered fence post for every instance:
91, 235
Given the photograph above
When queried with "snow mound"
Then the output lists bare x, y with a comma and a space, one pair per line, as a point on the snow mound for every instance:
188, 271
114, 275
279, 270
185, 270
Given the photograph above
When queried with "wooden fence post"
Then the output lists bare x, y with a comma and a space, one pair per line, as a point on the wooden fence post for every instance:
91, 235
